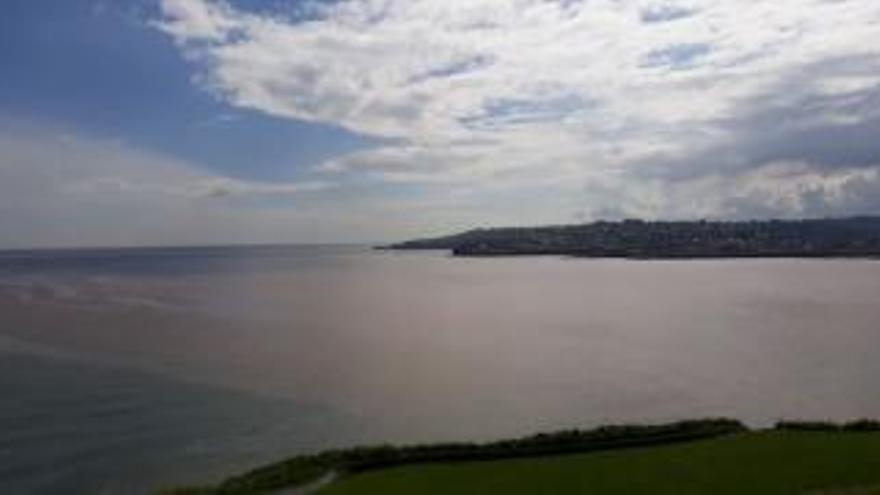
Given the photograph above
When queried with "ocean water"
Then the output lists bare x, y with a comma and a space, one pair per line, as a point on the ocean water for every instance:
122, 371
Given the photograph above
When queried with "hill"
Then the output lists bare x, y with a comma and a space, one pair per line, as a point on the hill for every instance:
757, 463
841, 237
696, 456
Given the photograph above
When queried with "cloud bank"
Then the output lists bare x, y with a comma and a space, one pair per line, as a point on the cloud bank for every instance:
66, 190
653, 108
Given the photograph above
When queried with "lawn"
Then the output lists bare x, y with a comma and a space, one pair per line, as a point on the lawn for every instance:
771, 462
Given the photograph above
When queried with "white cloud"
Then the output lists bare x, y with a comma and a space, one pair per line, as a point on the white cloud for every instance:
198, 21
64, 190
512, 93
790, 189
416, 69
221, 187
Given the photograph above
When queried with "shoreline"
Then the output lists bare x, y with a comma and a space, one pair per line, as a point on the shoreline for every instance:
636, 256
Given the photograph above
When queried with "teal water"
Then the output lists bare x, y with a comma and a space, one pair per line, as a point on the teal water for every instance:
80, 428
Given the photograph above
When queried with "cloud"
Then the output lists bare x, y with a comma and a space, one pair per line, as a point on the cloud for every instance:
643, 100
223, 187
61, 189
66, 189
804, 146
198, 21
418, 67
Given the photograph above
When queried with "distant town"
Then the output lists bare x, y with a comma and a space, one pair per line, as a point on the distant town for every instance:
838, 237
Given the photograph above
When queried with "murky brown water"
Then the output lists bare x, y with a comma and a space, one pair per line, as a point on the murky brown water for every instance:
271, 351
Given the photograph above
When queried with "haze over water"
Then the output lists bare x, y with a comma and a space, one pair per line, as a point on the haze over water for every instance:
121, 370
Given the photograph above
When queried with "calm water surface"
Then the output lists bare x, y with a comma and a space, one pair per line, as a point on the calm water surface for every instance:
122, 370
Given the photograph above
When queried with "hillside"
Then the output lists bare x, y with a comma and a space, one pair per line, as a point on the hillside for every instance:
844, 237
696, 456
758, 463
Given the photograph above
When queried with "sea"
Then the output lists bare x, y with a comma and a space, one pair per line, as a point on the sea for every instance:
123, 371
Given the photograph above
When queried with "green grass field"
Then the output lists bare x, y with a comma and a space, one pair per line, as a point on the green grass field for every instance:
797, 463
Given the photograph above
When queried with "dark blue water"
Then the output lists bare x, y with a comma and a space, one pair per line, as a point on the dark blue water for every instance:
122, 371
70, 427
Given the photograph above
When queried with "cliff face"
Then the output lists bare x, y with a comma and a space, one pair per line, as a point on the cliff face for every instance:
855, 236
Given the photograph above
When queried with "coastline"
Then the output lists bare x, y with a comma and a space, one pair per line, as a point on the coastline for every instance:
517, 253
851, 237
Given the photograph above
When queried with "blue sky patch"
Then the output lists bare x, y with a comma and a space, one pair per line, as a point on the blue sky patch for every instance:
100, 69
680, 56
665, 13
511, 111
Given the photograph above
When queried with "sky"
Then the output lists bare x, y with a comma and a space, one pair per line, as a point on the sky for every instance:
180, 122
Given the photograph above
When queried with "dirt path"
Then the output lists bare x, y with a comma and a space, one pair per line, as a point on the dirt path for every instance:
312, 487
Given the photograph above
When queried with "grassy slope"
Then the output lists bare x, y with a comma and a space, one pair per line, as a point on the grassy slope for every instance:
753, 463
